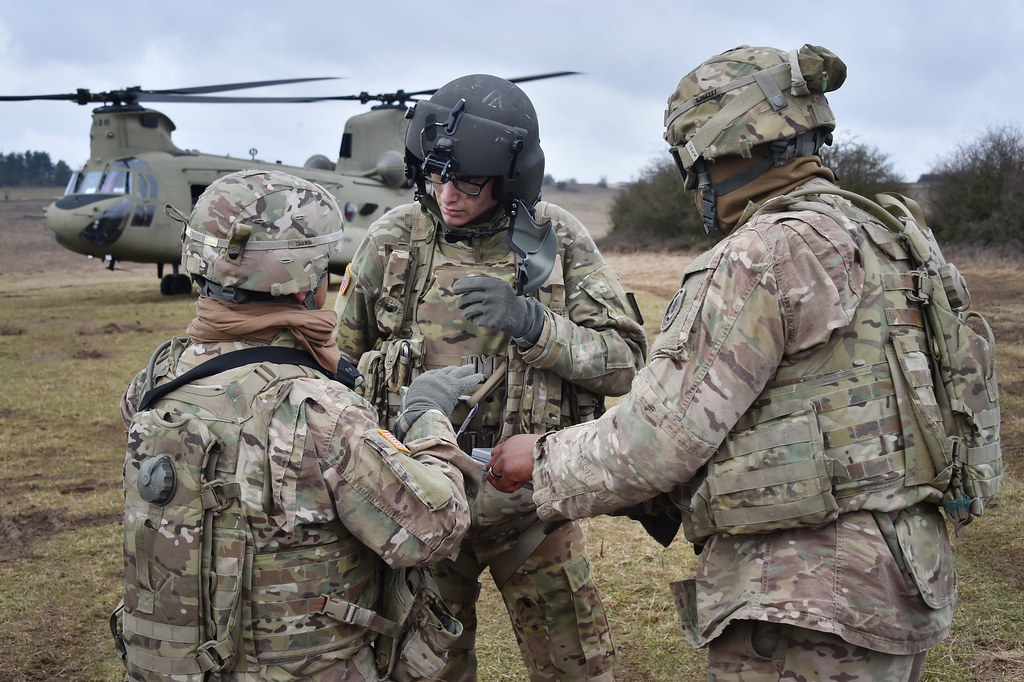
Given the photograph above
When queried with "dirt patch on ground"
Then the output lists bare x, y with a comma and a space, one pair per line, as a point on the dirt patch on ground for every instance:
19, 532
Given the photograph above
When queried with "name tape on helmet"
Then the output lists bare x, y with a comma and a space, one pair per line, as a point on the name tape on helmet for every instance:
671, 116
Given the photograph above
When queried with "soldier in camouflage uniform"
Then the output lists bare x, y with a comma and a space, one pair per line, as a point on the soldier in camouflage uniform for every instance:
776, 411
480, 271
326, 494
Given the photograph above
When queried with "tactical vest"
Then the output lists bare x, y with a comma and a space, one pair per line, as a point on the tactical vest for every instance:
419, 323
858, 423
200, 594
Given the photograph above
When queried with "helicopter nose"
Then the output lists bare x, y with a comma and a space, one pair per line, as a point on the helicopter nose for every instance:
87, 224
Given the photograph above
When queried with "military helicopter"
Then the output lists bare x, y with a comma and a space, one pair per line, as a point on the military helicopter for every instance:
113, 206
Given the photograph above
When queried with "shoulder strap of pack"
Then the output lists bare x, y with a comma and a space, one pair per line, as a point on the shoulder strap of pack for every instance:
282, 355
897, 212
906, 206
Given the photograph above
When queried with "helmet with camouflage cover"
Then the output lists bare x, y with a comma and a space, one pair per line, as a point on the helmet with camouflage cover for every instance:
749, 96
483, 126
257, 233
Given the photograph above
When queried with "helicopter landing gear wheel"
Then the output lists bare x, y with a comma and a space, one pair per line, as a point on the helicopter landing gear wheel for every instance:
175, 285
182, 285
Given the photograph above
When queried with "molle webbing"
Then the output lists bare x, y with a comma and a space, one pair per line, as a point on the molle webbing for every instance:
343, 570
859, 425
810, 452
834, 432
953, 386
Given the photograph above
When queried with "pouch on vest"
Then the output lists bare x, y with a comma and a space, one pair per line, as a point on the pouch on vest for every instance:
397, 357
769, 478
426, 628
175, 621
373, 390
390, 308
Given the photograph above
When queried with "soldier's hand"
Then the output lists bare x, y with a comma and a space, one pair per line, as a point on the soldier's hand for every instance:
492, 303
438, 389
511, 464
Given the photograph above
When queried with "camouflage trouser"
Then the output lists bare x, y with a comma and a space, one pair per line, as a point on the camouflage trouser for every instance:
753, 651
551, 598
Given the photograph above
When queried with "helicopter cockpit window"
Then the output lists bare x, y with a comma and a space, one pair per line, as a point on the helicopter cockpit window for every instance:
115, 182
76, 179
145, 185
116, 178
91, 182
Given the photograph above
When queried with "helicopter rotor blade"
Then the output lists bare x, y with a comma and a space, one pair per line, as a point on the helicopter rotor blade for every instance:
200, 94
542, 76
203, 99
71, 96
135, 94
401, 96
235, 86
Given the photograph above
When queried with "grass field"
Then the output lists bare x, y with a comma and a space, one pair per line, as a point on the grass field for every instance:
72, 334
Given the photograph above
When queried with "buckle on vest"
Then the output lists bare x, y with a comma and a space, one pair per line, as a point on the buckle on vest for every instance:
210, 656
921, 291
340, 610
218, 495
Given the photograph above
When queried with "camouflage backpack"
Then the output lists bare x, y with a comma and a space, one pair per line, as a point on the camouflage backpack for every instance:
954, 392
188, 545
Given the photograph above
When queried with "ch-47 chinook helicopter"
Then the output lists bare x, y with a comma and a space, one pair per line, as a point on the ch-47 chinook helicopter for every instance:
113, 207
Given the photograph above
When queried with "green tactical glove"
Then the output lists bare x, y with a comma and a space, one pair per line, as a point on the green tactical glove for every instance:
438, 389
492, 303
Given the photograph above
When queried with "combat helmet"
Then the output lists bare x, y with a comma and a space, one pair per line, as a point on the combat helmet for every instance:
257, 234
746, 97
485, 126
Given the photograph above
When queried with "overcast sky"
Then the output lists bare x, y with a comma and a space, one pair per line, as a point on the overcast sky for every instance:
924, 77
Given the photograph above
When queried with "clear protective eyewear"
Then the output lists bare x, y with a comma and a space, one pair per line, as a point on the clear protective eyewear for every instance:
471, 186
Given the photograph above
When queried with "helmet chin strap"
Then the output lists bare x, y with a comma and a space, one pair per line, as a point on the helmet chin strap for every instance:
782, 152
310, 300
709, 192
214, 290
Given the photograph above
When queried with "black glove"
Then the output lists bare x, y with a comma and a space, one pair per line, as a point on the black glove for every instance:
492, 303
659, 516
438, 389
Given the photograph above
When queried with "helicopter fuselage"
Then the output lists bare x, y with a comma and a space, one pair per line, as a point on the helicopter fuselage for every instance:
114, 209
114, 206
